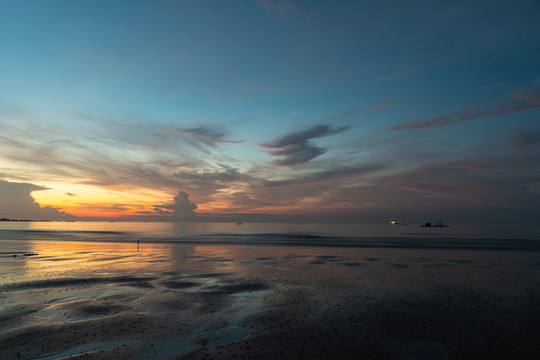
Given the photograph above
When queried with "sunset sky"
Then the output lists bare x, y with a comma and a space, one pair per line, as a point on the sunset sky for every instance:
264, 110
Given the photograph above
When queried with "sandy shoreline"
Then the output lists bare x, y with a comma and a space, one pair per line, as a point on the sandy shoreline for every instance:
107, 300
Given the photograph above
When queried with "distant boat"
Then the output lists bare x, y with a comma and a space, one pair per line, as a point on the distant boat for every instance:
397, 222
437, 224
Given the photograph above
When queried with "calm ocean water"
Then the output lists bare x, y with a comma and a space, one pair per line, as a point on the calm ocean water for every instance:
310, 234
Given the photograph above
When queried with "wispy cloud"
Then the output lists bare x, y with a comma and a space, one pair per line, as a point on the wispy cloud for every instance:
207, 181
206, 135
462, 184
166, 159
326, 175
116, 154
522, 100
296, 147
251, 118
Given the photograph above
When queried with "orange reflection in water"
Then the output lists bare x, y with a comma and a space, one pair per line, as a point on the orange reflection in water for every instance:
218, 258
57, 259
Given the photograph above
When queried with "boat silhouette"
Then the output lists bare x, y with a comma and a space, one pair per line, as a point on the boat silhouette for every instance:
437, 224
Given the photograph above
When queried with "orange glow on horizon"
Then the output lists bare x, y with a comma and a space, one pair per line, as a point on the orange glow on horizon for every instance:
92, 201
88, 201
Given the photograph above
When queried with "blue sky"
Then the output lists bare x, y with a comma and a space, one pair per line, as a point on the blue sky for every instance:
318, 110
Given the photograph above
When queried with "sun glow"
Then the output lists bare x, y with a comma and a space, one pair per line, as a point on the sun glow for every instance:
86, 200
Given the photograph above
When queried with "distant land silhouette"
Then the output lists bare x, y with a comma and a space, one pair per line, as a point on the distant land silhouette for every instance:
8, 219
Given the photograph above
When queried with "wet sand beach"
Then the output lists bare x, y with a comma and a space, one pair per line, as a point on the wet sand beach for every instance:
97, 300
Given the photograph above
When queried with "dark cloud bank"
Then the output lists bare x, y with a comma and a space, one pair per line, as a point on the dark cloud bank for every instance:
16, 202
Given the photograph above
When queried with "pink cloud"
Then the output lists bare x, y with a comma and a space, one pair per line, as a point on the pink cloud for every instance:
522, 100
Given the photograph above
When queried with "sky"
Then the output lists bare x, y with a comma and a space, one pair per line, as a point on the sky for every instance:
270, 110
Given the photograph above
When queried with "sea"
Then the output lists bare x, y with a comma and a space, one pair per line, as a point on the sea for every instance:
153, 290
503, 237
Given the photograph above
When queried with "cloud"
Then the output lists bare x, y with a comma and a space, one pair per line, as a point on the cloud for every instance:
205, 135
463, 184
104, 152
251, 118
70, 194
16, 202
280, 191
327, 175
296, 147
284, 9
522, 100
208, 180
180, 208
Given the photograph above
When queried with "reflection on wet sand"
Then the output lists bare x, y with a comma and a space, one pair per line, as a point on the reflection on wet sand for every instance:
112, 300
